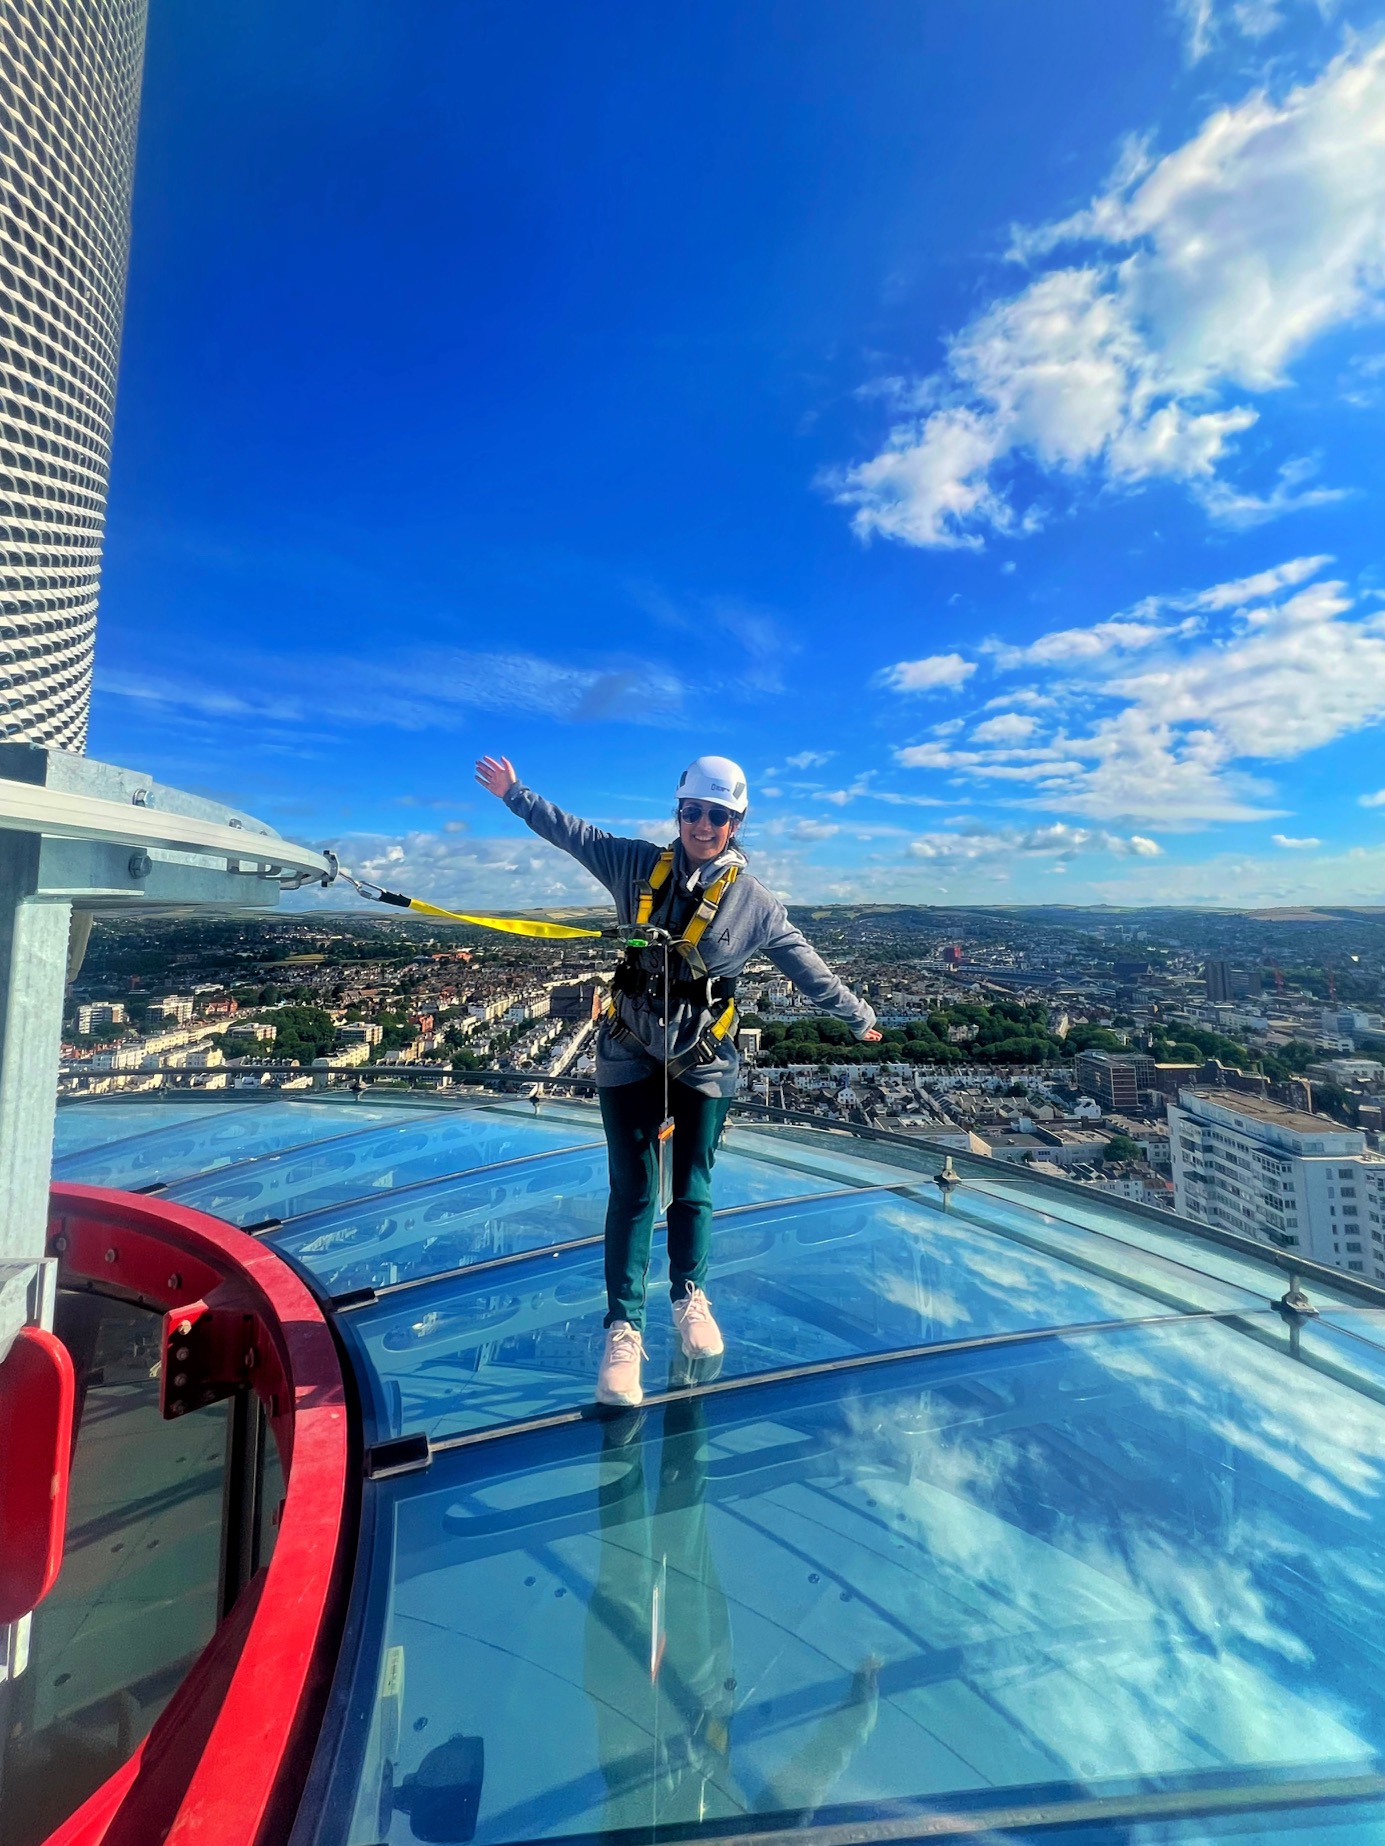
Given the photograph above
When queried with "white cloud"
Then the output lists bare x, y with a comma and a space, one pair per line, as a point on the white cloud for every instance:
1207, 21
1057, 841
1009, 728
423, 690
1259, 587
1377, 800
1204, 275
1283, 666
810, 759
1291, 845
1067, 645
938, 672
812, 830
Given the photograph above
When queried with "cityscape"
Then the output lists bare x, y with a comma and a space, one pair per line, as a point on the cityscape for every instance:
1226, 1066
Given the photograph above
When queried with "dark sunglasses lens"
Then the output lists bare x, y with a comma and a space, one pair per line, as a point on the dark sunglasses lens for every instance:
691, 811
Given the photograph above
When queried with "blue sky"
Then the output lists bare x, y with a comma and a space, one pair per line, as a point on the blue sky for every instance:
968, 417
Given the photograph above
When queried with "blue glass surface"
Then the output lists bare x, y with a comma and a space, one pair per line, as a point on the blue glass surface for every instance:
1365, 1323
405, 1148
473, 1217
97, 1123
791, 1284
1156, 1552
212, 1136
1137, 1233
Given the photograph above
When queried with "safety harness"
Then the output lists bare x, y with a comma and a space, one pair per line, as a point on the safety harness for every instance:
696, 987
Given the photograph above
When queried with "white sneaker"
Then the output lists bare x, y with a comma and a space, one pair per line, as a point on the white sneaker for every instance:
618, 1381
698, 1333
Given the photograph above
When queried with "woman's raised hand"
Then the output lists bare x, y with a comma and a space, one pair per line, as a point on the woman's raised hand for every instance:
496, 774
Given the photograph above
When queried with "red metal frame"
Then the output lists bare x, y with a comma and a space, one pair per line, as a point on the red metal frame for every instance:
224, 1764
37, 1394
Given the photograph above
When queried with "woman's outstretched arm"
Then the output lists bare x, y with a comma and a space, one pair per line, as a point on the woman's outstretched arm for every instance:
610, 859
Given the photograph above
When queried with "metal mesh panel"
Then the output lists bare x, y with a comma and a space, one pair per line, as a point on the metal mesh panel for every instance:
69, 105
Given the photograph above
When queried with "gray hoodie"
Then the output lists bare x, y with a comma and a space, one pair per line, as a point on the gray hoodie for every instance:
749, 921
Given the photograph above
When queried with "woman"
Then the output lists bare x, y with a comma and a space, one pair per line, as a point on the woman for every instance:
673, 1037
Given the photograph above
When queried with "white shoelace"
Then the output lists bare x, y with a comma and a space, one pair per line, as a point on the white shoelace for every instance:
694, 1306
620, 1340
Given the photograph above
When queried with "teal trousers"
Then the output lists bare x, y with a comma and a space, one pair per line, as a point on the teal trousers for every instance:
631, 1114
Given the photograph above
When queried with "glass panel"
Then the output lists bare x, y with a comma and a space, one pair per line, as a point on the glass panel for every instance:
1131, 1228
221, 1135
1365, 1323
423, 1146
93, 1124
1151, 1553
136, 1600
814, 1280
474, 1217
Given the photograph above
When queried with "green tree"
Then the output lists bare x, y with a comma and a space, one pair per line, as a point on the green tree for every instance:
1121, 1147
302, 1032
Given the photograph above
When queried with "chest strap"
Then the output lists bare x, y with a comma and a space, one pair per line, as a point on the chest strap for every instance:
711, 1042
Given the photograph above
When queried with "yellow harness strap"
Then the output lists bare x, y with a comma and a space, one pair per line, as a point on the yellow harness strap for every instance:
657, 879
512, 926
701, 918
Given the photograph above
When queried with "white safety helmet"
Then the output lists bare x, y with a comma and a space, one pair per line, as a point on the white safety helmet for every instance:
715, 778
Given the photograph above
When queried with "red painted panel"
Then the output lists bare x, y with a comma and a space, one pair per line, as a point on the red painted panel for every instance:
221, 1767
37, 1394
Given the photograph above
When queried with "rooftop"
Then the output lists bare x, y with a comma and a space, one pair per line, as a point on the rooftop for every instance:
1273, 1114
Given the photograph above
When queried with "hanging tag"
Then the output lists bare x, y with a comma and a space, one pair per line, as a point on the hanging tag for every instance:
665, 1163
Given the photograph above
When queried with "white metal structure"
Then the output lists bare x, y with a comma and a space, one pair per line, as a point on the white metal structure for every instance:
80, 839
70, 77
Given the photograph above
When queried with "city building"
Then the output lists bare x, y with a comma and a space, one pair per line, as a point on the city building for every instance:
574, 1000
1245, 1164
98, 1015
1346, 1022
1217, 975
1115, 1078
178, 1007
260, 1031
72, 81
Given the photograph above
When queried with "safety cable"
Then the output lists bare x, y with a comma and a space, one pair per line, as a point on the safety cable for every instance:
510, 926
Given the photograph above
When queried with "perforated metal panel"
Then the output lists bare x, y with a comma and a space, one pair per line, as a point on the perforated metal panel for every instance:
69, 104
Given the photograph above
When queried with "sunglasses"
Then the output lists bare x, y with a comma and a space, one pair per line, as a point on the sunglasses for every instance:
692, 811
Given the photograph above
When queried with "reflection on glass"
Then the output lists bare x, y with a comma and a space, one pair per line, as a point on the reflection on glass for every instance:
1078, 1206
452, 1222
471, 1218
218, 1137
1157, 1552
98, 1122
791, 1283
350, 1165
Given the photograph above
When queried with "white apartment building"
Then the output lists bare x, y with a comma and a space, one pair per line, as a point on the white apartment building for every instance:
178, 1007
99, 1014
1301, 1182
1348, 1022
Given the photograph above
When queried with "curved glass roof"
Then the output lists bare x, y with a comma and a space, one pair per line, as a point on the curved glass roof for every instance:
1011, 1511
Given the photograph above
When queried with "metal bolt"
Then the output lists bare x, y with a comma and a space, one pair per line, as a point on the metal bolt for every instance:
251, 1357
176, 1410
111, 1255
175, 1280
185, 1326
140, 864
183, 1352
180, 1379
60, 1244
140, 798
